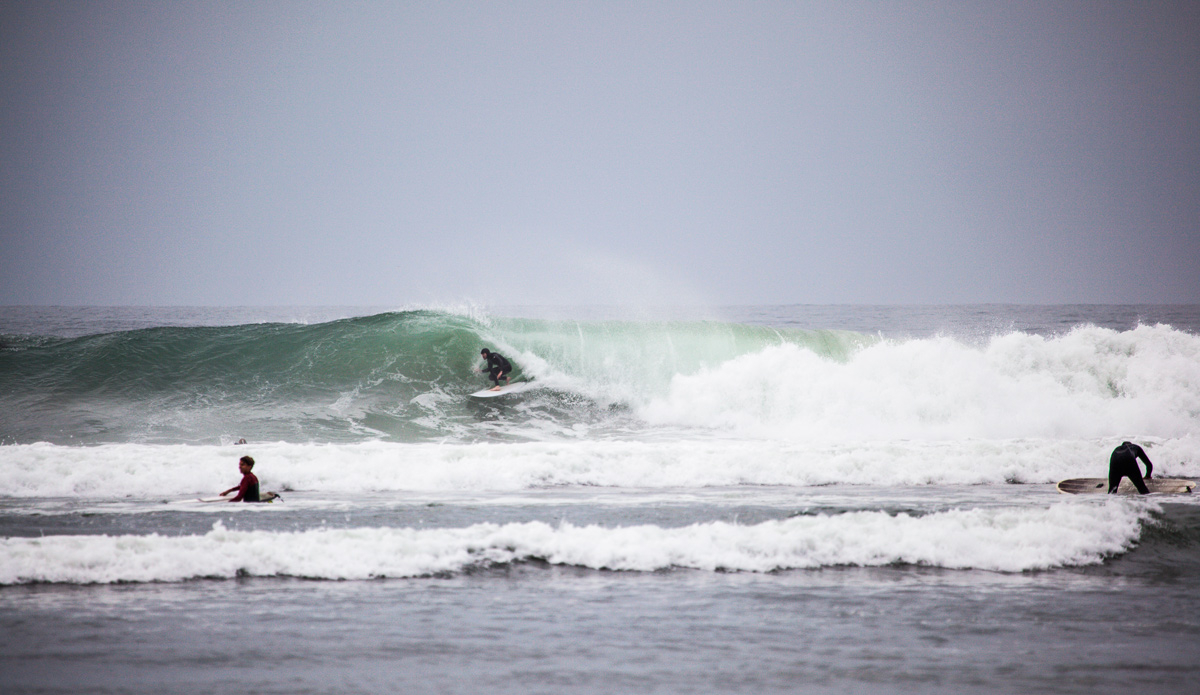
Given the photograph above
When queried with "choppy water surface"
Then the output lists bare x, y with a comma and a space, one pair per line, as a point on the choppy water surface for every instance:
840, 499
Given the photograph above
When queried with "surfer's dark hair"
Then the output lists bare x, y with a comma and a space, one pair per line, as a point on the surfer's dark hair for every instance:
247, 460
485, 351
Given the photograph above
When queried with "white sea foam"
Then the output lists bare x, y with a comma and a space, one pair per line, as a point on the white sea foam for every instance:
1006, 540
1089, 383
155, 471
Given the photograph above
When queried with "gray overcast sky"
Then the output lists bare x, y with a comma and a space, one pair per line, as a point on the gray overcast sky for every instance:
599, 152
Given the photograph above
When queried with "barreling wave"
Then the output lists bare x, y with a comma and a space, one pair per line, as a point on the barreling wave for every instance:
398, 376
405, 376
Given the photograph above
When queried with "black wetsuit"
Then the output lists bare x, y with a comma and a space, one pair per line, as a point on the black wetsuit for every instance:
497, 365
1123, 464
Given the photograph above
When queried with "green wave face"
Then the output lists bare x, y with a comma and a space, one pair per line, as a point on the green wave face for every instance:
634, 360
399, 376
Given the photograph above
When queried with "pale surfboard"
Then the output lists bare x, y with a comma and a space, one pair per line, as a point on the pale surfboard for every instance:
1086, 486
264, 497
504, 390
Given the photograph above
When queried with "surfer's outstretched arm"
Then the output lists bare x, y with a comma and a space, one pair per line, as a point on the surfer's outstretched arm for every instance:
1146, 460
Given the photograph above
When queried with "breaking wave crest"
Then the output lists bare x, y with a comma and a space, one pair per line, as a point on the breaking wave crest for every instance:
1003, 539
405, 377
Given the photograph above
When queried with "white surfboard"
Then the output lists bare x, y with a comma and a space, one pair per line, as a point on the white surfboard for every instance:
504, 390
264, 497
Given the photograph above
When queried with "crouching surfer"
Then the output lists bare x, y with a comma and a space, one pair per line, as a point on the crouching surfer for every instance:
497, 367
1123, 464
247, 490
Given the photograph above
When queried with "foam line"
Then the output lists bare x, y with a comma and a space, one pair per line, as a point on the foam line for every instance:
1004, 540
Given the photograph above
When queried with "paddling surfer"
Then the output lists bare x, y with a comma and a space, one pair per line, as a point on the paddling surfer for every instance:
1123, 464
497, 367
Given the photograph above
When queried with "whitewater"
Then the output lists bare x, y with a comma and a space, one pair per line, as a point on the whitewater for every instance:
738, 461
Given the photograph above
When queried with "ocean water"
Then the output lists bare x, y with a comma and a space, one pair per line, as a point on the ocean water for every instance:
736, 499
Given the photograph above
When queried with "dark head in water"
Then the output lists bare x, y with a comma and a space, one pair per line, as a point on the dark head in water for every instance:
485, 352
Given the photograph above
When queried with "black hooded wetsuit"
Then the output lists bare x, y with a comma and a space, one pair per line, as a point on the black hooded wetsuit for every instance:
1123, 464
497, 365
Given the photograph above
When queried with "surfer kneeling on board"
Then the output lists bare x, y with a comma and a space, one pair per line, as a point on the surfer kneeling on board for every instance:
247, 490
497, 367
1123, 464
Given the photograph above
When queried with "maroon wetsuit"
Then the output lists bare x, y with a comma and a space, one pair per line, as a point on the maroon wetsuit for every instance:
248, 490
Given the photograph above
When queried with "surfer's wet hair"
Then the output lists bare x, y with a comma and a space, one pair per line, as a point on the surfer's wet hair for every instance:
485, 352
247, 460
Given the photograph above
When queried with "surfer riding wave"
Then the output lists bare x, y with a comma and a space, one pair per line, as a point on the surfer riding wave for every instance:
497, 367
